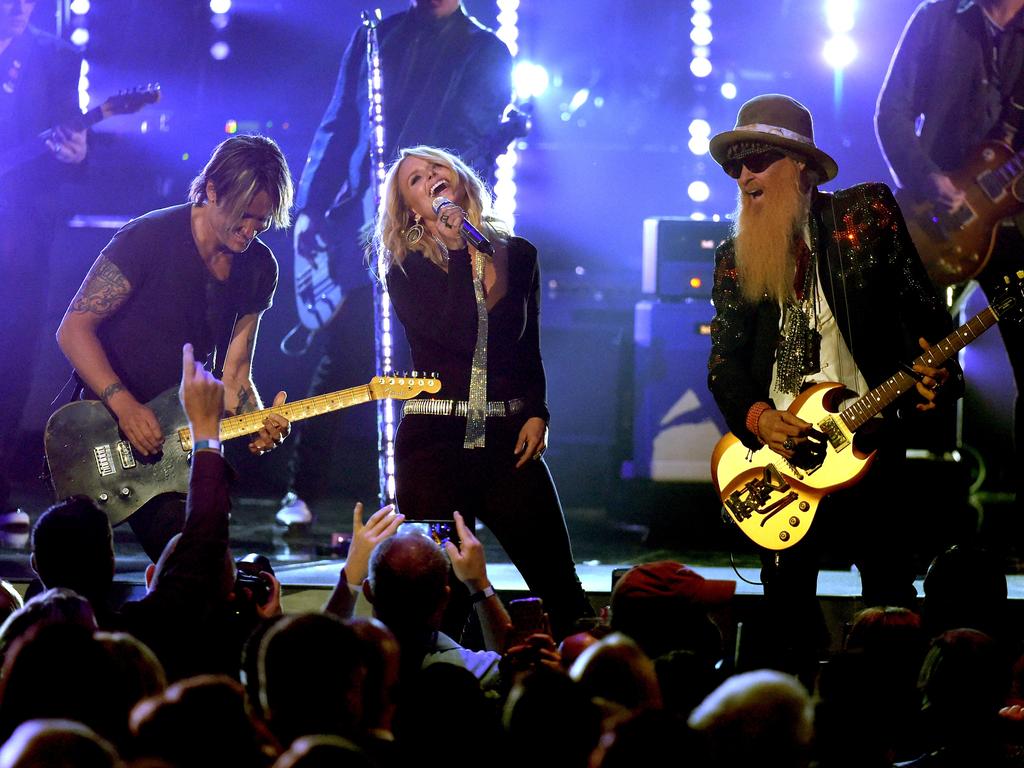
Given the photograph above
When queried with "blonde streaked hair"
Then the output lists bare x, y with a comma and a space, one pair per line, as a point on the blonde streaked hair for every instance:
394, 217
241, 167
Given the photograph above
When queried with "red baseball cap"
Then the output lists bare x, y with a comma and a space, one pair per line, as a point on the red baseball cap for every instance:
667, 580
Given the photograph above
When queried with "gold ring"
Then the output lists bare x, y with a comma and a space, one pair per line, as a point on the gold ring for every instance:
788, 444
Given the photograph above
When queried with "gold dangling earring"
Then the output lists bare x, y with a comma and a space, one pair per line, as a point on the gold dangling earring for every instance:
414, 233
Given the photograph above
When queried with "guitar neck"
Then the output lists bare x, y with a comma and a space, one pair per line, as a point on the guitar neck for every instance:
248, 423
871, 404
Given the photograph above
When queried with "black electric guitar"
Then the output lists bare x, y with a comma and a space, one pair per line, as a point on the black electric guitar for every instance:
88, 455
123, 103
772, 499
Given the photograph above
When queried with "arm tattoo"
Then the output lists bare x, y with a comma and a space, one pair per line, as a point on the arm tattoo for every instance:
109, 392
246, 401
103, 291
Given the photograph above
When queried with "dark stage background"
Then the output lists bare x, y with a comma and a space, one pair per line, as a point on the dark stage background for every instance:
589, 174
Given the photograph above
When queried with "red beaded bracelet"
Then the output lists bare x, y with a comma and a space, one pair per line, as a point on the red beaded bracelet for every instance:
754, 416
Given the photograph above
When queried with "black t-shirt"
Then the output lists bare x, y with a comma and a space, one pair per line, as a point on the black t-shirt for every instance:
174, 299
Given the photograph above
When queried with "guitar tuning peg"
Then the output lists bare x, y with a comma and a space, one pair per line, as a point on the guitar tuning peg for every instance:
415, 374
434, 375
1020, 274
1006, 279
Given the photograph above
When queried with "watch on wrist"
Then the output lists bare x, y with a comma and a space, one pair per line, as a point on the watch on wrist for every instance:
483, 594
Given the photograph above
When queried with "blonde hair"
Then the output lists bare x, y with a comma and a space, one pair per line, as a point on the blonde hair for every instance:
394, 217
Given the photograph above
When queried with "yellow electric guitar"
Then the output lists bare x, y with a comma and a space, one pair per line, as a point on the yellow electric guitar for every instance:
773, 499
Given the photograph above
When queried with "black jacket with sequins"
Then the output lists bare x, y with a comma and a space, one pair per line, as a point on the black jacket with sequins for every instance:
874, 283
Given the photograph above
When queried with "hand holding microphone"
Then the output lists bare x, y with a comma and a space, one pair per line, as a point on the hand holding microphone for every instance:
467, 230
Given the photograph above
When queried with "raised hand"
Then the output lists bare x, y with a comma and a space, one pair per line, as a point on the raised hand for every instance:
202, 397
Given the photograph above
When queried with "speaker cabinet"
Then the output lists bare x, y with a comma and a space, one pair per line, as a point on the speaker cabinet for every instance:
676, 421
679, 255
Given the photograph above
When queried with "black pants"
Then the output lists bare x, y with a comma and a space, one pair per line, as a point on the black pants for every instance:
436, 476
157, 521
870, 524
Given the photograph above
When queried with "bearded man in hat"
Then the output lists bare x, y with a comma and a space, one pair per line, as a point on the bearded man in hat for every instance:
813, 287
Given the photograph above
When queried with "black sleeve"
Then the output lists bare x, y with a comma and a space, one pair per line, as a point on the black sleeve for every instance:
531, 359
899, 107
335, 140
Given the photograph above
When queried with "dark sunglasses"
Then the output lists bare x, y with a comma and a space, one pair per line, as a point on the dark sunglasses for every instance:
755, 163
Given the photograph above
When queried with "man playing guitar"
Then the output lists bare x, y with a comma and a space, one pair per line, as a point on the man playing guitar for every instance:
936, 111
194, 273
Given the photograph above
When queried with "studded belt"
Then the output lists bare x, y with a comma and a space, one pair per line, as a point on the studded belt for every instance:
430, 407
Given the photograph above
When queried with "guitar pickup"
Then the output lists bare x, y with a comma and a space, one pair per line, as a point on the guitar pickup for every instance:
124, 453
104, 456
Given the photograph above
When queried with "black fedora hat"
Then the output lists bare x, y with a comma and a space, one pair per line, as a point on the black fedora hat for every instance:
779, 121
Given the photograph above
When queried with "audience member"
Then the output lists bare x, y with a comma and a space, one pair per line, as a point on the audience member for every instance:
311, 671
964, 682
618, 675
380, 688
645, 739
59, 670
201, 722
548, 713
666, 606
57, 605
57, 743
965, 586
323, 752
759, 717
408, 588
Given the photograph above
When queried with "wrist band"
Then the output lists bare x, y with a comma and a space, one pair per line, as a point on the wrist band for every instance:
483, 594
754, 416
213, 445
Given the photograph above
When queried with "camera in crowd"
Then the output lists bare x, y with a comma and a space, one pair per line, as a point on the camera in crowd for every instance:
250, 586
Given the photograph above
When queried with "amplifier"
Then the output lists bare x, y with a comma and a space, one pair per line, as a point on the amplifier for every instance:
679, 255
676, 422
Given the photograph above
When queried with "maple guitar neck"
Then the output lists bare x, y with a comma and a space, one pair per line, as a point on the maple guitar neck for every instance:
248, 423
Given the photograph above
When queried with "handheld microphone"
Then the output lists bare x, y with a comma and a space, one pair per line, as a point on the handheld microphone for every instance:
471, 233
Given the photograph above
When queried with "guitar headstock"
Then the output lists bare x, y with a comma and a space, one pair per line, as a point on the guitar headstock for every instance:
130, 101
402, 387
1009, 300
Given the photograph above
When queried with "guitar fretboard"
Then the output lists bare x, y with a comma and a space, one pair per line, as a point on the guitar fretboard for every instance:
248, 423
868, 406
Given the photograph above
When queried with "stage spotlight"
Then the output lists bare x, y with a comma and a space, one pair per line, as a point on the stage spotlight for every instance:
80, 36
220, 50
699, 127
700, 67
839, 51
219, 20
729, 90
702, 6
839, 15
698, 145
701, 36
698, 191
79, 7
530, 79
220, 6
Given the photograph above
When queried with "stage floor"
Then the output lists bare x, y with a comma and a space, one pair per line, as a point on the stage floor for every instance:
671, 523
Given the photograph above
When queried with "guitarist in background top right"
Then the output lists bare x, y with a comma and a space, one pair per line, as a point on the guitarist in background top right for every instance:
948, 121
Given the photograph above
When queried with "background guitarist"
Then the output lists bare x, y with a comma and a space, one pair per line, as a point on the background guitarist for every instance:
958, 66
814, 287
446, 82
38, 89
193, 273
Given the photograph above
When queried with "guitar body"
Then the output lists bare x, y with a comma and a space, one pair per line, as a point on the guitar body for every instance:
323, 280
955, 247
88, 455
773, 500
